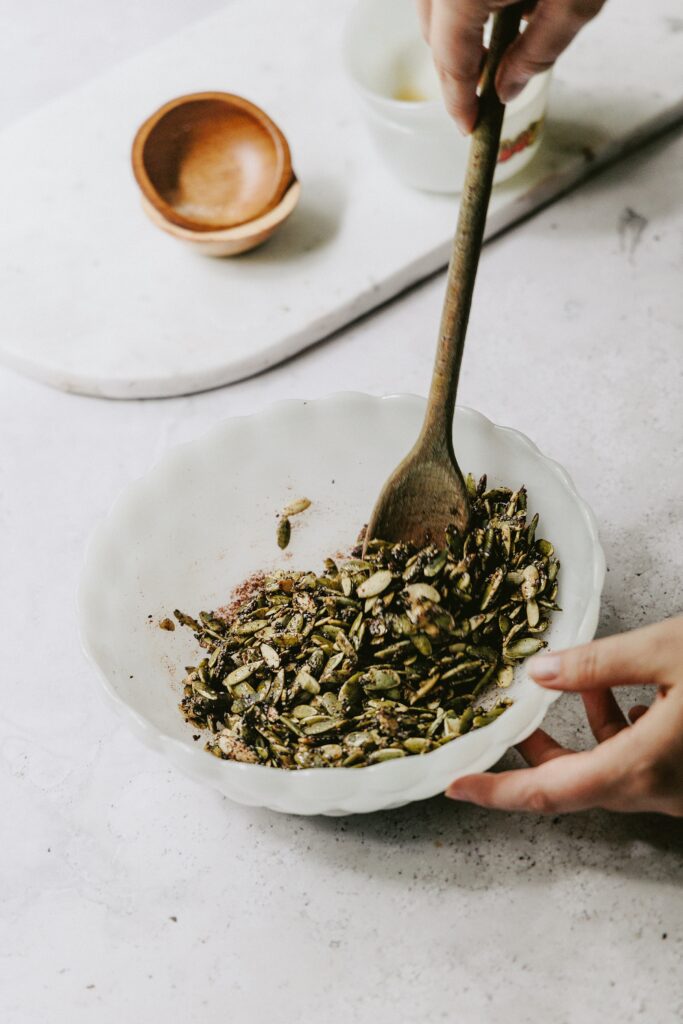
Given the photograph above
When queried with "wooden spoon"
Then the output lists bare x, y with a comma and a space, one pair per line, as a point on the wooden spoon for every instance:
426, 492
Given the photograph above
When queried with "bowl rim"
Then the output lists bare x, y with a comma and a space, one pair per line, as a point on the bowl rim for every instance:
420, 108
216, 768
284, 174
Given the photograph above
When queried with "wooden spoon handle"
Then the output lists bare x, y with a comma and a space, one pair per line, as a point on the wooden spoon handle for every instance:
469, 235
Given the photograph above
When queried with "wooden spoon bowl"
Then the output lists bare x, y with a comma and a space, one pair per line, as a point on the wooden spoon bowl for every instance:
214, 170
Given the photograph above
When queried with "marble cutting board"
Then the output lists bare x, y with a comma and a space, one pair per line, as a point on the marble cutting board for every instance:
95, 300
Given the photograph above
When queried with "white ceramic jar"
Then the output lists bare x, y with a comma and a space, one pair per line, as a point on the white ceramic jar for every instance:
392, 71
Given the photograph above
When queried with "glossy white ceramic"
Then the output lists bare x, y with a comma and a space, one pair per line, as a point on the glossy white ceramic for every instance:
392, 71
204, 519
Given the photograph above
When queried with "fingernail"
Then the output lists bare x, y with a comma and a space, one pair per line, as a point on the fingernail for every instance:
545, 666
456, 792
509, 91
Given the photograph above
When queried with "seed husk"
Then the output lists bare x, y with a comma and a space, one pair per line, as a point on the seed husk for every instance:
530, 582
375, 658
295, 507
423, 592
187, 620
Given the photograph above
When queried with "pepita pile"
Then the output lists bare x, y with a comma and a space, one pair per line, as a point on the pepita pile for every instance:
381, 657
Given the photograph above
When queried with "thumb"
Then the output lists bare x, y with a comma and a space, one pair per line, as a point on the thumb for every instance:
640, 656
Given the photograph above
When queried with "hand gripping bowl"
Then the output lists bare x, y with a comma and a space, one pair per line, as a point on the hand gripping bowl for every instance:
204, 519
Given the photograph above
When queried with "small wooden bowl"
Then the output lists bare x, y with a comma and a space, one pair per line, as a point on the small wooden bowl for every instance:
214, 171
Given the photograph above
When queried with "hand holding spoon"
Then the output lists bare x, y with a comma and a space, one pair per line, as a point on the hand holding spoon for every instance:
426, 492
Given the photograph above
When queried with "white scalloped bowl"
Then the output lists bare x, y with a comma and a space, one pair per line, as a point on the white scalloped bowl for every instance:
203, 520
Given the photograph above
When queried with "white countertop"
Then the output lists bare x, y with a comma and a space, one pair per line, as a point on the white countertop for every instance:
127, 892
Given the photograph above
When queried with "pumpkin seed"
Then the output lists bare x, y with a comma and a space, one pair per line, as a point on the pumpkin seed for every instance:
416, 744
505, 675
307, 682
423, 643
375, 584
270, 656
284, 532
492, 587
247, 628
381, 679
204, 691
533, 613
239, 675
434, 567
331, 704
303, 711
523, 648
317, 726
386, 754
358, 740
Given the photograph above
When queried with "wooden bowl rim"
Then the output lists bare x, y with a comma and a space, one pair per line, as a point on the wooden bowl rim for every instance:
267, 222
284, 172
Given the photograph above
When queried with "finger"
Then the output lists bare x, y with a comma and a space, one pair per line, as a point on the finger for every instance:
563, 784
540, 747
605, 717
550, 29
424, 13
641, 656
637, 712
456, 36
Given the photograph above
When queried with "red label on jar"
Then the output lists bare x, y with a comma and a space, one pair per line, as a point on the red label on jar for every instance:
509, 147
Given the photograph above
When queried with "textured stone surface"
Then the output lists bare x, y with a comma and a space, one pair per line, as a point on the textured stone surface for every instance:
129, 893
95, 300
